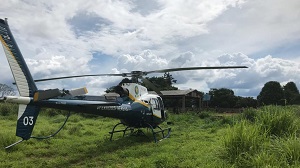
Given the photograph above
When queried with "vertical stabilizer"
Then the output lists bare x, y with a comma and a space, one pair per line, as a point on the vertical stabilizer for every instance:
28, 113
26, 120
22, 76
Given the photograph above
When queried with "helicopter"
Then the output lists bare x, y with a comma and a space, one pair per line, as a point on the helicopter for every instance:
134, 106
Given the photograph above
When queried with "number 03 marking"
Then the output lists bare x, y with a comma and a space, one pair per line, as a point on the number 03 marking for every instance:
28, 120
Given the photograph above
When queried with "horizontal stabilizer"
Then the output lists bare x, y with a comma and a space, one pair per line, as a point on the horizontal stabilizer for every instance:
46, 94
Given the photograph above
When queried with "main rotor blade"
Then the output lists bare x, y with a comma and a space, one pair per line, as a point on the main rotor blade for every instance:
78, 92
151, 85
142, 73
80, 76
51, 93
46, 94
193, 68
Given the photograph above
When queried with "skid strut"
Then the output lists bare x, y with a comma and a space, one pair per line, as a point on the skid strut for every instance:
138, 132
124, 130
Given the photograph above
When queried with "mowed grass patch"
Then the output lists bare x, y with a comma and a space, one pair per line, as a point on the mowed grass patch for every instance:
84, 142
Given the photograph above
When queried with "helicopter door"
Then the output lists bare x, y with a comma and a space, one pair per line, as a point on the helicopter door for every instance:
162, 108
156, 109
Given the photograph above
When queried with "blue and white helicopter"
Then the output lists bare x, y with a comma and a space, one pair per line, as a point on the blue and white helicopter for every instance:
135, 107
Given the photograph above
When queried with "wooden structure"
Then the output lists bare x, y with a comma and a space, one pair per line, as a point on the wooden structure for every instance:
183, 95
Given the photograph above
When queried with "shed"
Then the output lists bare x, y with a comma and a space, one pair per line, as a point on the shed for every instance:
183, 95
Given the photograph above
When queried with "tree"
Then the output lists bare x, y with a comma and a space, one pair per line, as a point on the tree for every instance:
222, 98
112, 88
291, 92
296, 100
162, 83
246, 102
271, 93
6, 90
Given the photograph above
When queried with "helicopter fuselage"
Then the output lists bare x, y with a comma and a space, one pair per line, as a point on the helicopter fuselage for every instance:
133, 111
137, 113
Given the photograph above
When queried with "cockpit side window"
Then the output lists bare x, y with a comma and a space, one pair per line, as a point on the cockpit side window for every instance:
161, 103
154, 103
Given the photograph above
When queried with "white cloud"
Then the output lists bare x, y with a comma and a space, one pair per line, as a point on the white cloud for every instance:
141, 62
57, 40
257, 28
259, 72
276, 67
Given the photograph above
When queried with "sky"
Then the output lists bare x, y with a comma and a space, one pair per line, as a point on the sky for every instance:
61, 38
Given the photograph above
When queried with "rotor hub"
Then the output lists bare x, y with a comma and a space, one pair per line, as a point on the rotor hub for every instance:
137, 73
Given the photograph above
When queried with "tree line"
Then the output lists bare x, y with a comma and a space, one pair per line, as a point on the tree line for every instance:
272, 93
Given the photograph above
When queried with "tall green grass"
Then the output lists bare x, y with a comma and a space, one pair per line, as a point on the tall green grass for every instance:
278, 121
266, 137
288, 148
242, 139
6, 138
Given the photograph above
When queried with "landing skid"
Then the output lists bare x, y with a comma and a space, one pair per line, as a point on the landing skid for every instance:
138, 132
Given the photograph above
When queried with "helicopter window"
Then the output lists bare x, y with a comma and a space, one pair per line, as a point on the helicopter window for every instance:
154, 103
160, 101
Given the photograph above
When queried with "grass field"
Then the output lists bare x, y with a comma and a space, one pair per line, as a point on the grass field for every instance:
267, 137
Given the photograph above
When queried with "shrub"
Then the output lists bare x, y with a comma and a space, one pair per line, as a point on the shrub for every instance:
7, 109
227, 120
249, 114
204, 114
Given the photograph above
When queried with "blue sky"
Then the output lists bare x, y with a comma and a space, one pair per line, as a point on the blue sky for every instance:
111, 36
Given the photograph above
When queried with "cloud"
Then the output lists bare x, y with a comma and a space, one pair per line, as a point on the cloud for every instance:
259, 72
256, 28
245, 82
78, 37
274, 67
57, 65
142, 62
